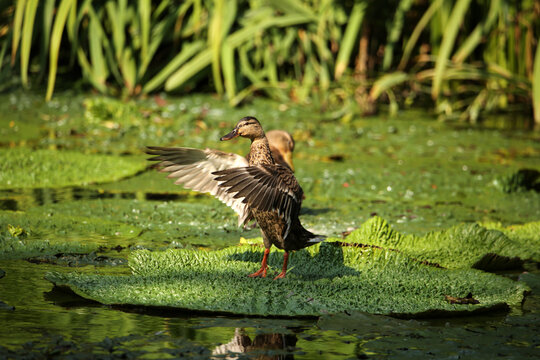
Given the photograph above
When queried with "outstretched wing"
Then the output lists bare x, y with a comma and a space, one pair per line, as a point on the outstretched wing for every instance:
270, 188
193, 169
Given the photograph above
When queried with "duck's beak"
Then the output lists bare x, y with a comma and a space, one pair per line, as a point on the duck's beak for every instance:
230, 135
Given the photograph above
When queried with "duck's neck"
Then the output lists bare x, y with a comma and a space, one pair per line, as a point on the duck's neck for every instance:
260, 153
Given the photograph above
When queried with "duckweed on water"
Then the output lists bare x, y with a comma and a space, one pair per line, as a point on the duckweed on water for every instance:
26, 168
202, 222
15, 248
461, 246
33, 233
325, 278
42, 222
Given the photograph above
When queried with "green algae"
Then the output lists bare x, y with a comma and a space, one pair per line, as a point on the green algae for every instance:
33, 233
202, 221
44, 222
15, 248
325, 278
25, 168
461, 246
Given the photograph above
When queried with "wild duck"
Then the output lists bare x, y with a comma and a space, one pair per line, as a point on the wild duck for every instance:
282, 147
262, 190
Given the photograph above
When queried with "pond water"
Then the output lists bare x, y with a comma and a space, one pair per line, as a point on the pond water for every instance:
419, 174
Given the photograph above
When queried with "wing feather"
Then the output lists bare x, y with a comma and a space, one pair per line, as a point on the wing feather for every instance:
264, 187
193, 169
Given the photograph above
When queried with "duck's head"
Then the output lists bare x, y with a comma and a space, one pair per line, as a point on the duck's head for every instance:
247, 127
282, 146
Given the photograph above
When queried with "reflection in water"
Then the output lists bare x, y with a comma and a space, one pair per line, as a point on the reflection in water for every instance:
264, 346
24, 199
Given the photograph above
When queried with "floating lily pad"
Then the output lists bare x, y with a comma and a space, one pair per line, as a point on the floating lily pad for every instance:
462, 246
43, 222
14, 248
204, 221
26, 168
33, 233
528, 234
325, 278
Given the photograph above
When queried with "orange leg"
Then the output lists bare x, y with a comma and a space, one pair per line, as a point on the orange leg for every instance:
284, 269
264, 266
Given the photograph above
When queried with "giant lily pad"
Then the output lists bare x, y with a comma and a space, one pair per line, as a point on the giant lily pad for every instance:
325, 278
528, 234
462, 246
26, 168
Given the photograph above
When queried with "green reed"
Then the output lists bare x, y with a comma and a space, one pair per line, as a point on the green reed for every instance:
467, 57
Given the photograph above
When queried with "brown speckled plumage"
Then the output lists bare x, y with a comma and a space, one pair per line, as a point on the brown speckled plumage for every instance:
263, 190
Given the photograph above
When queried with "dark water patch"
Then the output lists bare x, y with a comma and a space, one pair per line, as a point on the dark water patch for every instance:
77, 260
65, 297
23, 199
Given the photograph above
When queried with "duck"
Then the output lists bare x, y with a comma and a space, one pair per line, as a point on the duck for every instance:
282, 146
262, 190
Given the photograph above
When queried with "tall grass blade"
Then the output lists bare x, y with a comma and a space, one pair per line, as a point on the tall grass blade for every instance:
229, 74
3, 52
47, 20
394, 32
145, 7
116, 13
215, 35
56, 38
99, 67
449, 37
17, 28
349, 39
237, 38
478, 33
290, 7
536, 86
246, 33
418, 29
129, 72
188, 51
158, 33
26, 40
387, 82
188, 70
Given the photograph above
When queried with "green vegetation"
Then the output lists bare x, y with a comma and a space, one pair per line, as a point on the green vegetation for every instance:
325, 278
15, 248
26, 168
466, 57
201, 221
37, 234
45, 222
462, 246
